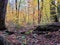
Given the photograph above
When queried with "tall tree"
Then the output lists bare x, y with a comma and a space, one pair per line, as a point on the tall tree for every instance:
53, 11
17, 16
39, 16
28, 10
33, 7
3, 5
19, 6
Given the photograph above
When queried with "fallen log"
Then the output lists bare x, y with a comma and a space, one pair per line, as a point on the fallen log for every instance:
47, 28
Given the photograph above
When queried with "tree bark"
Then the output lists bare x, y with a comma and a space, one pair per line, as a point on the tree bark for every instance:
39, 15
3, 5
53, 11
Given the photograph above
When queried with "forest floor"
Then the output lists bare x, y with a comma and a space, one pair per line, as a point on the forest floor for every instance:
29, 38
32, 39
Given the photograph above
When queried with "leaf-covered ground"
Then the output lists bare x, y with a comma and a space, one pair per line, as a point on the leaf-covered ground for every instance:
32, 39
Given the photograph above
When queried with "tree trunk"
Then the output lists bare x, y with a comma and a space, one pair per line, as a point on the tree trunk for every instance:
53, 11
39, 16
3, 5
